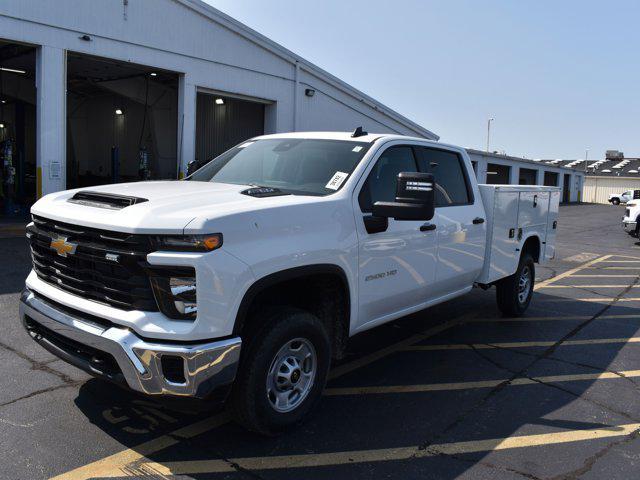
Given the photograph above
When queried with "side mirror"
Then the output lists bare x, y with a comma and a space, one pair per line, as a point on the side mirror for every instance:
415, 199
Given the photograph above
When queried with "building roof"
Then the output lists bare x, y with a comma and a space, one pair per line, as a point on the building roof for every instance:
564, 164
248, 33
626, 167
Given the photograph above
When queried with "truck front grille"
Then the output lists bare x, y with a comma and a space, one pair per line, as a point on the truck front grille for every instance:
100, 265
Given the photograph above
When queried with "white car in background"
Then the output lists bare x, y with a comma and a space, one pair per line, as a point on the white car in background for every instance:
618, 198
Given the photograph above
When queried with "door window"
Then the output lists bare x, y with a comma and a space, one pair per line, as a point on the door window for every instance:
380, 185
452, 183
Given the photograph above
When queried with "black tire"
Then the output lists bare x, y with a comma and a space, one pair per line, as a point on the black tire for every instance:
508, 290
250, 402
615, 201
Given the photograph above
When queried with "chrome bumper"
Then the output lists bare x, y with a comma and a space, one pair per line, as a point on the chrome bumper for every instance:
92, 346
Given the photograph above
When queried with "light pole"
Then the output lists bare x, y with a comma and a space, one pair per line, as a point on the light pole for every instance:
586, 157
488, 132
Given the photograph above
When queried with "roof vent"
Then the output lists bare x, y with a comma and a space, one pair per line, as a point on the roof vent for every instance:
105, 200
359, 132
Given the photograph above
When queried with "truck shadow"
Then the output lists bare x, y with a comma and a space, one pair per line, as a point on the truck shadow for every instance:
559, 393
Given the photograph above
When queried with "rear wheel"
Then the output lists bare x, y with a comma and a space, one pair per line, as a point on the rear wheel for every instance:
282, 372
514, 293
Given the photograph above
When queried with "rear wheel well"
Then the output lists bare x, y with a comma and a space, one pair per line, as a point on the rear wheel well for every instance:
323, 292
532, 246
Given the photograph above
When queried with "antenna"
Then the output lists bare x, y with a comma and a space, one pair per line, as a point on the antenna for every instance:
358, 132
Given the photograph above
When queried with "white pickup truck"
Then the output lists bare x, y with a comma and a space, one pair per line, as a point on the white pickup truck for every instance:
245, 280
631, 218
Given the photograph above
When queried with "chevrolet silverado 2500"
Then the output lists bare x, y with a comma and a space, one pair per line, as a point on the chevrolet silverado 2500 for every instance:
247, 278
631, 218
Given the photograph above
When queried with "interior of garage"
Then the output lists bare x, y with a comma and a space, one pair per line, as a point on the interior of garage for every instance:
498, 174
17, 128
222, 122
551, 179
121, 122
527, 176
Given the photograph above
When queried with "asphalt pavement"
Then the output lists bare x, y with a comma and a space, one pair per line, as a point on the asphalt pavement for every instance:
456, 391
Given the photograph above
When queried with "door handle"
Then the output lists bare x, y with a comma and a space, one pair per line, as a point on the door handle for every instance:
478, 221
427, 227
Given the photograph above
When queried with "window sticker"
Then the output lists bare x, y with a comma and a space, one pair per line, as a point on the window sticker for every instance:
357, 148
337, 180
245, 145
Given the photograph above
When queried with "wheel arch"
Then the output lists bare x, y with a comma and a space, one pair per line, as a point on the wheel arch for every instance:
532, 245
303, 287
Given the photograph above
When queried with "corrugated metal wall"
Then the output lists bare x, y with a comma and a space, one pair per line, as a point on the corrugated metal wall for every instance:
220, 127
598, 189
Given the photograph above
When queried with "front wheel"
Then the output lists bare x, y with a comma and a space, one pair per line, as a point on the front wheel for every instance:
615, 201
514, 292
282, 372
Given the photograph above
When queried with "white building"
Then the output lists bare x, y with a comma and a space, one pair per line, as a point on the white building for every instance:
86, 85
498, 169
88, 88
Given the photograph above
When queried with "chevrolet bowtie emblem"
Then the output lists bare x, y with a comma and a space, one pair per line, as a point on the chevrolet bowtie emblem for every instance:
62, 247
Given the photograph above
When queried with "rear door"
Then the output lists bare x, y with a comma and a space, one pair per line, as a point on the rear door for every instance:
460, 218
397, 262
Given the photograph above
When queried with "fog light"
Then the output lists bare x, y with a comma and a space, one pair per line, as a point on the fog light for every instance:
175, 293
183, 291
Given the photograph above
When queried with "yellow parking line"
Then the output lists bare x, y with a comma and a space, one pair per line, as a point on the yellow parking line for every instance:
604, 276
568, 273
438, 387
108, 465
621, 261
311, 460
591, 286
551, 318
489, 345
590, 299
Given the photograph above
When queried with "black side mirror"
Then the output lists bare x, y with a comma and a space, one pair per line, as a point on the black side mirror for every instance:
415, 199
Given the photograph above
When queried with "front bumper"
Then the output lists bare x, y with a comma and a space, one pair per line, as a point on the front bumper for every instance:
114, 352
629, 226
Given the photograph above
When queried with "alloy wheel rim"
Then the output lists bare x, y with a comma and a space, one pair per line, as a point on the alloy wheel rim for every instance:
291, 375
524, 284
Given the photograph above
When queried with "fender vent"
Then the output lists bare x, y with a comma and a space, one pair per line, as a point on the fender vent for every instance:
105, 200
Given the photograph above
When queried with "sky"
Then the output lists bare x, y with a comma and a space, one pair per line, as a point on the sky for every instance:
558, 77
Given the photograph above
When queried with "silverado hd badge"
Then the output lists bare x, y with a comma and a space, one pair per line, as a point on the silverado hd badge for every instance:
62, 247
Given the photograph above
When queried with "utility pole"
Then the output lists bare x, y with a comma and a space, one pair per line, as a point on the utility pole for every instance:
488, 132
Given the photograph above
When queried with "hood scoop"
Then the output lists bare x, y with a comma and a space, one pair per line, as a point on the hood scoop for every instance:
260, 192
105, 200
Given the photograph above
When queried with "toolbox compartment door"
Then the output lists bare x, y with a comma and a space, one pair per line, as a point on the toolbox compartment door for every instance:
552, 226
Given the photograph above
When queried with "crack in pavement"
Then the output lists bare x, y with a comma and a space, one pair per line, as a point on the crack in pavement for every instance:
40, 392
41, 366
483, 463
544, 355
589, 462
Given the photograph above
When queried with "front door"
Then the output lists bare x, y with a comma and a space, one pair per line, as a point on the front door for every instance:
460, 218
397, 265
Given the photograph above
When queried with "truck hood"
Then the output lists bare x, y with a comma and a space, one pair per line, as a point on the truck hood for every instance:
169, 205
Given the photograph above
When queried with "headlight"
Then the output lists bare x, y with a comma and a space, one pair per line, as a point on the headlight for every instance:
175, 292
188, 243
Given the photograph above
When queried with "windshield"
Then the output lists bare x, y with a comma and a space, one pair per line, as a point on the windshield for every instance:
297, 166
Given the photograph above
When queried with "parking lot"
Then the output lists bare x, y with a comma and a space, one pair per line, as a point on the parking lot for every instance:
456, 391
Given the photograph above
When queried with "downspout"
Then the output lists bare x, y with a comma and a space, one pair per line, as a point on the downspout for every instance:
295, 95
